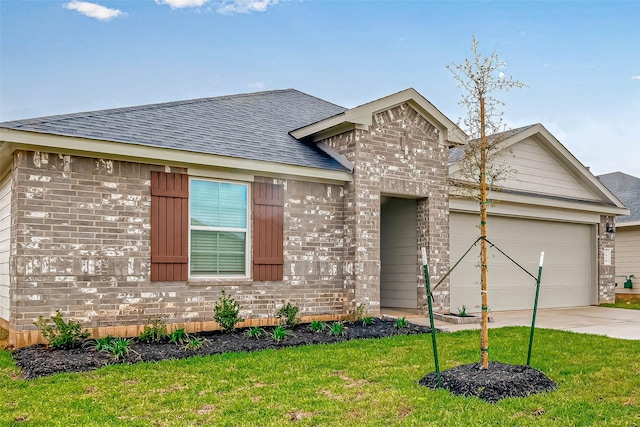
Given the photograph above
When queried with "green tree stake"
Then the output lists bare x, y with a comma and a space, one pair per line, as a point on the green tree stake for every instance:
433, 326
535, 308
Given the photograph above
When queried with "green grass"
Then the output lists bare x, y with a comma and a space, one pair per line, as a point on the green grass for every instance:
634, 305
358, 383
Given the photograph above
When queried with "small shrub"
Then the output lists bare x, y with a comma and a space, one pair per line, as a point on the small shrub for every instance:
254, 332
61, 334
336, 329
279, 334
401, 323
226, 313
462, 312
367, 321
119, 348
178, 336
288, 315
195, 343
317, 326
100, 344
361, 311
155, 332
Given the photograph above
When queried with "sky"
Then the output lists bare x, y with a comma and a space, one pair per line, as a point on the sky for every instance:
580, 60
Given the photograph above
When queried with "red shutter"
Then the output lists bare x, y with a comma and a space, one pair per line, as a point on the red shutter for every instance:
169, 226
268, 226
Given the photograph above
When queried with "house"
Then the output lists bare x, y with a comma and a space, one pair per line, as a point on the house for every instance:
118, 216
627, 233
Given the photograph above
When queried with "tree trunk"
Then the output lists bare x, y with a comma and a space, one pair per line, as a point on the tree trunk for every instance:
484, 343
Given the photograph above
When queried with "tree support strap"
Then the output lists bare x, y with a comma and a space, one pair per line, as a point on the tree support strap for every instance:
456, 264
509, 258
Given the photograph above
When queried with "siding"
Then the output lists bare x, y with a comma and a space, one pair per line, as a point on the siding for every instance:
627, 255
5, 236
398, 253
536, 170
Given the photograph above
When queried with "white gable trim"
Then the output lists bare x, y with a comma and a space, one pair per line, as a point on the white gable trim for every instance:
361, 117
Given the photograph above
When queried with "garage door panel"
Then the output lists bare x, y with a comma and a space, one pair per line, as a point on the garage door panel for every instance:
567, 277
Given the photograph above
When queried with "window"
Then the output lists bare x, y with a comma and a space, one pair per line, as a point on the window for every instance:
218, 219
212, 236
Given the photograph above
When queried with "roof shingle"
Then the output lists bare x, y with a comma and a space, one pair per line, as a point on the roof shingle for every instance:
252, 126
627, 189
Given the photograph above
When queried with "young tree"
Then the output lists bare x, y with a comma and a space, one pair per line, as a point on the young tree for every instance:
480, 77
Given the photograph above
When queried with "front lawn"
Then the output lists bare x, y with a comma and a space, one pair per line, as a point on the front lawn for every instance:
367, 382
631, 305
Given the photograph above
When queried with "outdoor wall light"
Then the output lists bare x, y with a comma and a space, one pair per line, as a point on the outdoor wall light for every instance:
609, 228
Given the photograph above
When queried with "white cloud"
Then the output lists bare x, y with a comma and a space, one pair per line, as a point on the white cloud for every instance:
93, 10
245, 6
635, 77
180, 4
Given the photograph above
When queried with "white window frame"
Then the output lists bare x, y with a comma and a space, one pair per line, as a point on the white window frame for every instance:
247, 231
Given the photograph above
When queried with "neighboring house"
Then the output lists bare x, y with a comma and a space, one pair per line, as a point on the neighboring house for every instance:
121, 215
627, 231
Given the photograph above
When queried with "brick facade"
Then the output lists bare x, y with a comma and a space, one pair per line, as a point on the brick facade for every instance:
81, 244
400, 155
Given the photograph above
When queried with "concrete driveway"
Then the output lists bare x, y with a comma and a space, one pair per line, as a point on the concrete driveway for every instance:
611, 322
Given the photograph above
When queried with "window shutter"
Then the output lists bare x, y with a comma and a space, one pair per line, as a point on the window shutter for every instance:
169, 226
268, 226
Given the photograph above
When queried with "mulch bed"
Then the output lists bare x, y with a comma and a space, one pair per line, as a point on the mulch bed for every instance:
36, 361
497, 382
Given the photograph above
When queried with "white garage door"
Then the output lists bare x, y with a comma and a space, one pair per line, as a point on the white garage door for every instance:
568, 277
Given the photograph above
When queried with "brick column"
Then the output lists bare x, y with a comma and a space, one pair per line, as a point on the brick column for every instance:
606, 273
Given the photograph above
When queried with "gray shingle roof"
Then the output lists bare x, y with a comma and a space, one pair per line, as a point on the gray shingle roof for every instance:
457, 154
251, 126
627, 189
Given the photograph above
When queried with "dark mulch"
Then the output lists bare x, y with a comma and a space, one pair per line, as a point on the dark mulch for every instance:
36, 361
497, 382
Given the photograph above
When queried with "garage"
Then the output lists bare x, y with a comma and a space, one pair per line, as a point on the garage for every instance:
569, 273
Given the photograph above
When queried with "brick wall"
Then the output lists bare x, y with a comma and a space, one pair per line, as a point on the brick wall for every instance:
400, 155
606, 273
81, 233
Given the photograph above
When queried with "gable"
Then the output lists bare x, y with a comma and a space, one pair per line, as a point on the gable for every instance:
536, 170
545, 173
361, 117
